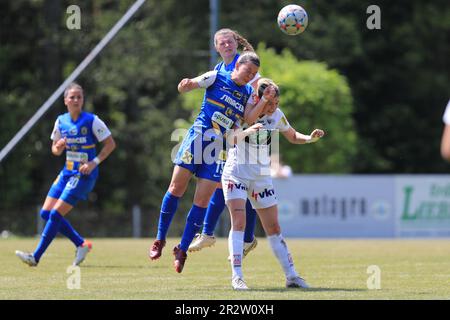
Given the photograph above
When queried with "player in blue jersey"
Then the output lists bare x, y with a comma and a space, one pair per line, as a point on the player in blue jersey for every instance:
75, 133
227, 43
226, 103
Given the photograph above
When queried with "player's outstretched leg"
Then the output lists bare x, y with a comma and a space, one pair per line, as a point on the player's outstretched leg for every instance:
215, 208
50, 230
168, 208
194, 222
65, 229
83, 247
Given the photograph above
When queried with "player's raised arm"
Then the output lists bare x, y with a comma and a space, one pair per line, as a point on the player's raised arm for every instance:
299, 138
203, 81
253, 111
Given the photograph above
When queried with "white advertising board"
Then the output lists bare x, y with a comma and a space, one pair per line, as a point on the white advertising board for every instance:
336, 206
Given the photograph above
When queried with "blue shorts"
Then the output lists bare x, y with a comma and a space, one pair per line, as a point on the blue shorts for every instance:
72, 188
203, 157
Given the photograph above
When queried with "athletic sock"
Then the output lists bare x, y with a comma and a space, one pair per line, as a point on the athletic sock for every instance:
65, 229
213, 212
193, 224
250, 222
236, 248
281, 251
169, 206
49, 233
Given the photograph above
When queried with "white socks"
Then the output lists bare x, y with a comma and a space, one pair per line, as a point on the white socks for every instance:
236, 249
281, 251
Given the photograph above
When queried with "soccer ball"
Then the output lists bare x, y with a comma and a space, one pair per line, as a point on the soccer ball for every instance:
292, 19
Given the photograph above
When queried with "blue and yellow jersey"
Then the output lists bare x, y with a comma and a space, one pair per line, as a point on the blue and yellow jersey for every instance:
81, 137
223, 103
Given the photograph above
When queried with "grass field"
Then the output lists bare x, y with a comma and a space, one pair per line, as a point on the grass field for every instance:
336, 269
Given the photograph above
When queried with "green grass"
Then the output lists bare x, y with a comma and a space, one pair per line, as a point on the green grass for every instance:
336, 269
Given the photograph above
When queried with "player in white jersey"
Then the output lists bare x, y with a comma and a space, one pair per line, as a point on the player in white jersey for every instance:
247, 175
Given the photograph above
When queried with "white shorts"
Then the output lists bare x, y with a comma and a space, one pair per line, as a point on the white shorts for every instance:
260, 192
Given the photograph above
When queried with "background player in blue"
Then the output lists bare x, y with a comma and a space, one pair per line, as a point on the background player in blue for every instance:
226, 103
227, 42
75, 132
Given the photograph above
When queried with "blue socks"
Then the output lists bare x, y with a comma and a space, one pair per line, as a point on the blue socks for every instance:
250, 224
168, 208
49, 233
65, 229
215, 209
194, 222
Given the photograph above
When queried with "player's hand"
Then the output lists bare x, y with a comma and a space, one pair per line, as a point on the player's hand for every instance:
185, 85
269, 92
60, 145
316, 135
86, 168
254, 128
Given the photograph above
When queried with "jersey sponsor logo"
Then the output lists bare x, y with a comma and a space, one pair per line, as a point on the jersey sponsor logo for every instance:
222, 120
187, 157
237, 94
79, 140
84, 131
238, 186
264, 194
77, 156
73, 131
232, 102
226, 89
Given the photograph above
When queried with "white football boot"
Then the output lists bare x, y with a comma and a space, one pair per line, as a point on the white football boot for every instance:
296, 282
27, 258
81, 252
238, 284
201, 241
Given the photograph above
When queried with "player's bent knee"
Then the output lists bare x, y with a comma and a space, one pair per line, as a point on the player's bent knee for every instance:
273, 229
177, 189
238, 223
45, 214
